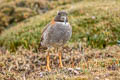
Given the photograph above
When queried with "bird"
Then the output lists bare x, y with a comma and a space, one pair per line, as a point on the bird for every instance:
55, 34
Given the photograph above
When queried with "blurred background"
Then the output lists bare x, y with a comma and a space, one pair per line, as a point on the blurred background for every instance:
94, 23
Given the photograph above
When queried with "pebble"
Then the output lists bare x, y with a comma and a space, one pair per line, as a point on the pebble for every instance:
97, 78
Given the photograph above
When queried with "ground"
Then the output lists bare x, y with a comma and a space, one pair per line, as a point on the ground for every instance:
89, 64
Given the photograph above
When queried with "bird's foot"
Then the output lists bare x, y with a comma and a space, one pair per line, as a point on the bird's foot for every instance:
61, 65
48, 68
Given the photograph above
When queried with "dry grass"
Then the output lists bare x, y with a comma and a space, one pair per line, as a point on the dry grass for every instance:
98, 64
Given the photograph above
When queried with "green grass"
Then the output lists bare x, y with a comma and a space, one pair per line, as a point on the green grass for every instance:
97, 23
15, 11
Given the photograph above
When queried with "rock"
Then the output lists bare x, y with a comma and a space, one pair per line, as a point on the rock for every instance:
73, 71
76, 72
41, 74
78, 69
106, 79
97, 78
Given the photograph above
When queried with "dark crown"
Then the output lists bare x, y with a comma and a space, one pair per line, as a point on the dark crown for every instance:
59, 16
62, 13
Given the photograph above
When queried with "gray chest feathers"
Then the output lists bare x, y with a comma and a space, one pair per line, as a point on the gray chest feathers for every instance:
57, 34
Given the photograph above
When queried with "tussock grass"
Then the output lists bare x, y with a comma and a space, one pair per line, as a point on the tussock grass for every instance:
96, 23
102, 64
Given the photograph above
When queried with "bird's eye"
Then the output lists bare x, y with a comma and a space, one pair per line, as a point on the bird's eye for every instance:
58, 13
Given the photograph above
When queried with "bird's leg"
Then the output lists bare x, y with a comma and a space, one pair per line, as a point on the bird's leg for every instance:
60, 59
73, 62
48, 62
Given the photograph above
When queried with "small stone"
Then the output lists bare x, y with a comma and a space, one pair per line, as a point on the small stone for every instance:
93, 17
106, 79
41, 74
70, 69
73, 71
76, 72
97, 78
78, 69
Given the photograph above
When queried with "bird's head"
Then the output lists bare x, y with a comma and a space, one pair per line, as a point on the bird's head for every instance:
61, 17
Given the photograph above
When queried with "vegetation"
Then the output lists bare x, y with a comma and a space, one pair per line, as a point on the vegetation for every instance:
93, 22
14, 11
94, 65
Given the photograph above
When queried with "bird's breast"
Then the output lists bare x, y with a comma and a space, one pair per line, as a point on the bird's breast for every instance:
57, 34
60, 31
63, 23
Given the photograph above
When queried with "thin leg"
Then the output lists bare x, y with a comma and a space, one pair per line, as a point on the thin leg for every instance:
48, 62
60, 59
73, 62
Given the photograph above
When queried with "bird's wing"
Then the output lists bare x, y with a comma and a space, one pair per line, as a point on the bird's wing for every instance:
40, 46
50, 24
45, 28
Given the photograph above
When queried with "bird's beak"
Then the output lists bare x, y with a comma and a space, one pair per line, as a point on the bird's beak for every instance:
65, 19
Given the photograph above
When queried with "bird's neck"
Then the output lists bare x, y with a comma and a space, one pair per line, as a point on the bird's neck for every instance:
53, 21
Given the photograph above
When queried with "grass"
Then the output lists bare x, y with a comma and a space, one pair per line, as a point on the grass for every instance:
93, 22
26, 64
15, 11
